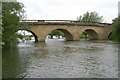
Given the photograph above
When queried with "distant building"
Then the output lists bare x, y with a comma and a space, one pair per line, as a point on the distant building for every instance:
119, 8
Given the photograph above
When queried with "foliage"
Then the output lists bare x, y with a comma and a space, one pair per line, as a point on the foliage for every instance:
26, 37
1, 24
1, 29
90, 17
116, 29
84, 35
56, 32
12, 12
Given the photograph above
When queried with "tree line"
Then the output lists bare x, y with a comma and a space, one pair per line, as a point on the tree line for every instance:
116, 29
13, 12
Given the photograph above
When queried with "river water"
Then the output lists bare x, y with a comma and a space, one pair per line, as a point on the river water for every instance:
61, 59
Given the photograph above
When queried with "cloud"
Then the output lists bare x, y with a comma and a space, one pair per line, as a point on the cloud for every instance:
69, 9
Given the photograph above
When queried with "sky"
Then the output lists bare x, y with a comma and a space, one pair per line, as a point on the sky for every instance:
69, 9
119, 8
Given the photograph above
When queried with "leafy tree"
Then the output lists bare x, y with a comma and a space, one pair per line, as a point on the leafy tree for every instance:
1, 23
56, 32
90, 17
116, 29
12, 12
84, 35
1, 29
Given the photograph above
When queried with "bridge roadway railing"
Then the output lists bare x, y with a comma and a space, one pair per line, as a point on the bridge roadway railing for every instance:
64, 22
46, 21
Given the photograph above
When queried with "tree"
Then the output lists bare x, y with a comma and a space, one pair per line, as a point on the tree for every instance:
12, 13
116, 29
56, 32
91, 17
1, 24
84, 35
1, 29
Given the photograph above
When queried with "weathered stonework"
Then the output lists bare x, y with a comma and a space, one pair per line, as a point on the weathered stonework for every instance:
71, 30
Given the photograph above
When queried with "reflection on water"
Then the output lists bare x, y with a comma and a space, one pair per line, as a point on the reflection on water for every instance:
59, 59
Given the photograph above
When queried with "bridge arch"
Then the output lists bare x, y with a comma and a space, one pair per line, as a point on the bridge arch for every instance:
92, 34
72, 29
68, 35
35, 36
109, 35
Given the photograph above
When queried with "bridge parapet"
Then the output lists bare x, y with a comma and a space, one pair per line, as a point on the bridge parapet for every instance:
64, 22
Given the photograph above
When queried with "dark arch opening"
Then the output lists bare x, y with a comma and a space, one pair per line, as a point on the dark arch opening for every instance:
27, 35
67, 34
89, 34
64, 33
109, 36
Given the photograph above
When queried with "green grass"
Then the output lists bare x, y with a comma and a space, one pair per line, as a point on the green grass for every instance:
83, 37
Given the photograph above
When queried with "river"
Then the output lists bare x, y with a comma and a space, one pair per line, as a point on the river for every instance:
61, 59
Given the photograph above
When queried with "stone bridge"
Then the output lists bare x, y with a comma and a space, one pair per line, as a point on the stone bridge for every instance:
72, 29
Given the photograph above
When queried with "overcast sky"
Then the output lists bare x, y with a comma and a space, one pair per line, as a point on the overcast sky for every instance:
69, 9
